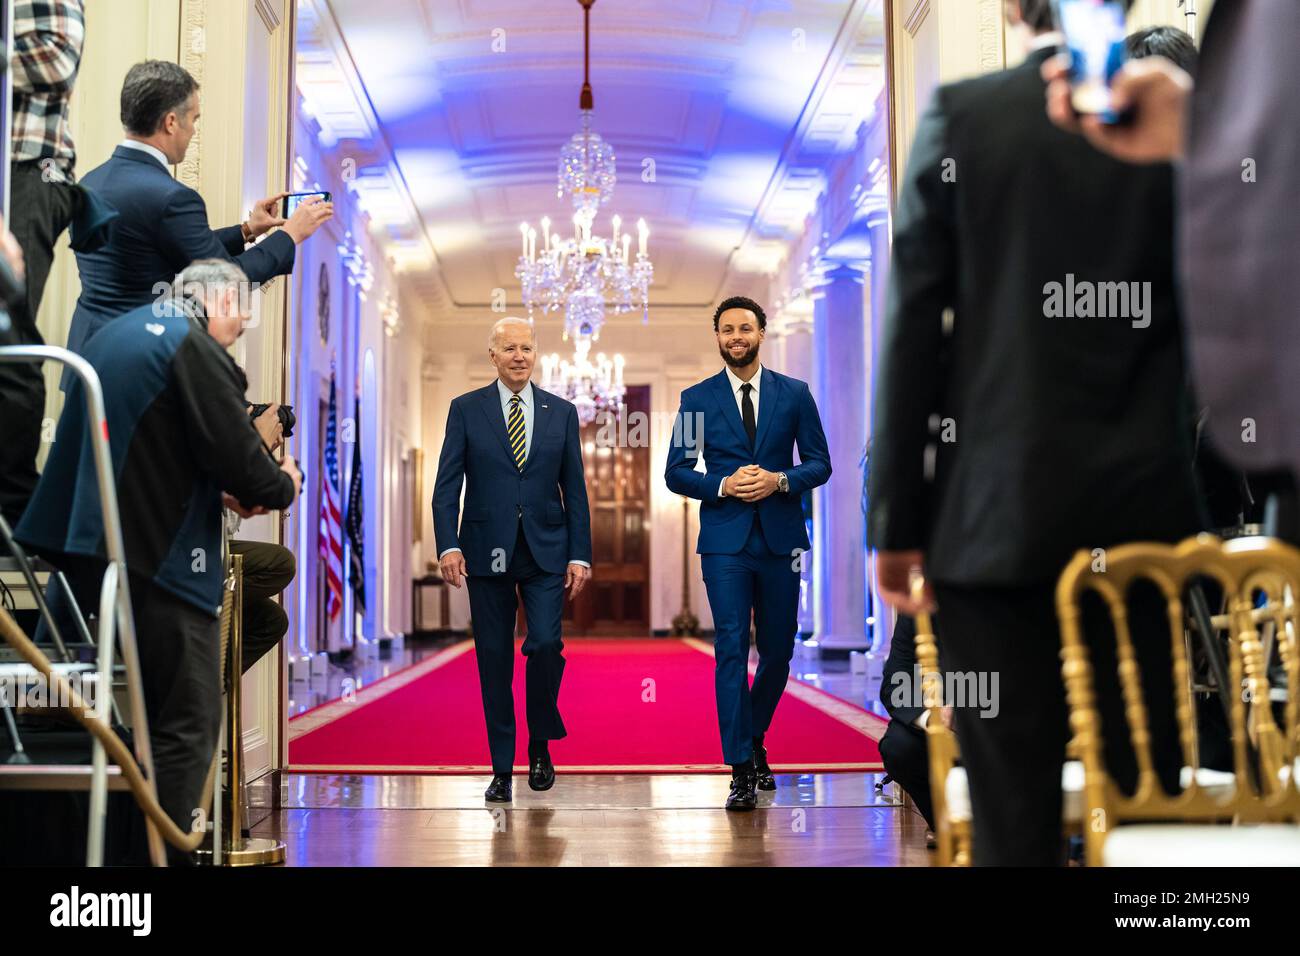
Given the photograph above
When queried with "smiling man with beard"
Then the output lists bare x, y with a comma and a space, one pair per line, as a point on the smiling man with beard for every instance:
752, 537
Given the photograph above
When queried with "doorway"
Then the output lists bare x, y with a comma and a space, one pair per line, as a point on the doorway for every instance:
616, 601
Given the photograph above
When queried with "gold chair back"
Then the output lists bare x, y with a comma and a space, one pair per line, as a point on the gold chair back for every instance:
1249, 570
952, 838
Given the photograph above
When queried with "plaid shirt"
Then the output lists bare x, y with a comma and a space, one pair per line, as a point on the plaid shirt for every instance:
48, 35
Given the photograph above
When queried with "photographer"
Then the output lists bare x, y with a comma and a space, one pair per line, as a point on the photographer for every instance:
268, 567
163, 225
185, 445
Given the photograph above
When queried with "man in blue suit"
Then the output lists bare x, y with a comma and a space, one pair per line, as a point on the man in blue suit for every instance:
163, 224
746, 422
525, 525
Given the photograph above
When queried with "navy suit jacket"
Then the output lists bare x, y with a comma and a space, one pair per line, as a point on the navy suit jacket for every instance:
708, 423
161, 229
549, 494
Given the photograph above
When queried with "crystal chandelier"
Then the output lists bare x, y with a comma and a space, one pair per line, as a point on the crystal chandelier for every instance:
586, 274
587, 172
592, 387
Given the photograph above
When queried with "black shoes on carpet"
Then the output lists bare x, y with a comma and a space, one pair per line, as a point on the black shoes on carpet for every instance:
541, 775
750, 777
766, 781
499, 791
743, 796
541, 772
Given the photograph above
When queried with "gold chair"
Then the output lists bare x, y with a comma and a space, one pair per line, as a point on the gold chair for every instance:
1248, 569
949, 787
949, 794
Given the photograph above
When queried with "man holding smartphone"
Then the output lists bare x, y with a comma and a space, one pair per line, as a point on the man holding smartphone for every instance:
163, 225
1071, 431
1236, 134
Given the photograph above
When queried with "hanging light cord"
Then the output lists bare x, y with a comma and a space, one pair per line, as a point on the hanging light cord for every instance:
585, 100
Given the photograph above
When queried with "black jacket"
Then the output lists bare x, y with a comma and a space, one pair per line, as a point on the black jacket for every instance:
162, 228
900, 687
179, 434
1055, 432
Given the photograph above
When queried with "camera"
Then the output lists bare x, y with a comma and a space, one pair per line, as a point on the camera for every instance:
285, 414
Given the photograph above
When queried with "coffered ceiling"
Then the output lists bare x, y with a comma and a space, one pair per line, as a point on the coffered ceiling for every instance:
723, 115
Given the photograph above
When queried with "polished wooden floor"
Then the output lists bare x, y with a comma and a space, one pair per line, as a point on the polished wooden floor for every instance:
588, 820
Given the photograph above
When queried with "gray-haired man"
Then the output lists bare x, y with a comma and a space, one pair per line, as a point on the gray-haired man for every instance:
184, 445
515, 449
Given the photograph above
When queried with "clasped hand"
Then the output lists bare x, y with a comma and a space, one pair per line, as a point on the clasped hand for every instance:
750, 483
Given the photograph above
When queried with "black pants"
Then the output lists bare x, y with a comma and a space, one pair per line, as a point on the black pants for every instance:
180, 665
905, 754
41, 211
1013, 760
493, 604
268, 569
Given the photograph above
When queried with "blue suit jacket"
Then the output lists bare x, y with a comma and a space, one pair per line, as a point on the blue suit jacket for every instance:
549, 494
708, 423
161, 229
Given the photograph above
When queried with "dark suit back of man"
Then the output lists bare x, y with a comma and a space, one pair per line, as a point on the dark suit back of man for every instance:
162, 228
1059, 431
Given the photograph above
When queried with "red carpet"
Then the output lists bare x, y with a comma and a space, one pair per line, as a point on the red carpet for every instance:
630, 706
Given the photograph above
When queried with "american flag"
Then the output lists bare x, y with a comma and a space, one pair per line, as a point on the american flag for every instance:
356, 521
331, 515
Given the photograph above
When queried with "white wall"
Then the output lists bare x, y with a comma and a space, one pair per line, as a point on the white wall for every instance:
391, 414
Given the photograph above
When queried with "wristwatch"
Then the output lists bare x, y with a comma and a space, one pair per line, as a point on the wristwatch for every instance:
782, 483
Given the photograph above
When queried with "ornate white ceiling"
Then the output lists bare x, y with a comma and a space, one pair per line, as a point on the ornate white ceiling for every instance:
738, 105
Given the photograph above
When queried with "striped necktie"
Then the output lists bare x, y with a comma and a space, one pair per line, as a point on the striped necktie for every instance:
516, 433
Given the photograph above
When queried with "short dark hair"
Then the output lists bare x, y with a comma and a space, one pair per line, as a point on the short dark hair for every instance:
740, 302
1037, 14
1170, 42
151, 90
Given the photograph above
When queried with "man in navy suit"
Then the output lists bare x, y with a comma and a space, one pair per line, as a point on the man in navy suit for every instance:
163, 224
746, 421
525, 525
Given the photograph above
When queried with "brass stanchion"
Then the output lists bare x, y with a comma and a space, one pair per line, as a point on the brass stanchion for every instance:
686, 624
237, 849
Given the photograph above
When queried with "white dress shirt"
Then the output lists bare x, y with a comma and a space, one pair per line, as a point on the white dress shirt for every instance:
736, 383
145, 148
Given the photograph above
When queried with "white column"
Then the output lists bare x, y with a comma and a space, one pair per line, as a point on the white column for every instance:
882, 627
797, 356
839, 546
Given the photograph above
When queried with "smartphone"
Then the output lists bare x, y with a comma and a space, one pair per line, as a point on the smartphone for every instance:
1094, 33
292, 201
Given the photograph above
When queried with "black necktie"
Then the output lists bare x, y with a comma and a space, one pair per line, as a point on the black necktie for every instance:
747, 412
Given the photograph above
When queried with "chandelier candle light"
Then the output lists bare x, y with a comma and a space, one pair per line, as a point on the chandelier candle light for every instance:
585, 274
592, 387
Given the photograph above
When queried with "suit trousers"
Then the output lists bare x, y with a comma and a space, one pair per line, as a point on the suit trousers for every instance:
905, 753
268, 570
763, 583
1013, 752
180, 665
493, 603
41, 211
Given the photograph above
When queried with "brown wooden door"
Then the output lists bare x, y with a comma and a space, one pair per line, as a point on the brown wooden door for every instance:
617, 599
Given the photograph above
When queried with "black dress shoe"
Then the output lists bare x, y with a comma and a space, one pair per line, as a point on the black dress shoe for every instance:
762, 772
541, 772
743, 796
498, 790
